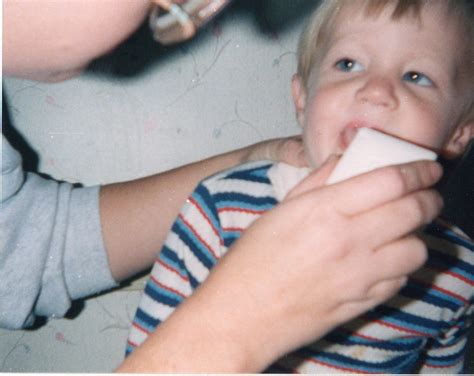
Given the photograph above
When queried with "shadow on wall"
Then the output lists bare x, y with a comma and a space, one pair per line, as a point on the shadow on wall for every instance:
16, 139
140, 51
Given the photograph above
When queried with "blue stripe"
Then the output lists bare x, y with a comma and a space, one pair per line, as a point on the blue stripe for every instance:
241, 205
446, 360
444, 262
419, 292
396, 344
455, 302
206, 203
397, 364
146, 321
159, 294
243, 200
230, 237
407, 320
459, 335
236, 205
258, 174
232, 234
262, 174
196, 247
128, 350
193, 281
170, 258
440, 231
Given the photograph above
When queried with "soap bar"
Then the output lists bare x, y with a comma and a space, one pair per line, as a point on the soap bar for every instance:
371, 149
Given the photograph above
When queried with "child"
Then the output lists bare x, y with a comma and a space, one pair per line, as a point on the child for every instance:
364, 63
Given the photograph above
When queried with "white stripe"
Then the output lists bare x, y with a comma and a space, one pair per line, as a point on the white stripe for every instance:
137, 336
202, 227
237, 219
155, 309
193, 265
253, 189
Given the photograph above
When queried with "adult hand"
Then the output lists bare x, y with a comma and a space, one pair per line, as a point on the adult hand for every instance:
321, 257
289, 150
158, 199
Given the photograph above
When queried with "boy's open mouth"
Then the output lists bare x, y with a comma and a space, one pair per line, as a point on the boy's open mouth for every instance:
346, 137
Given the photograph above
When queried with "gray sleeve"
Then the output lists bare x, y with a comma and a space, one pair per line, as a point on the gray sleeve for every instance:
51, 246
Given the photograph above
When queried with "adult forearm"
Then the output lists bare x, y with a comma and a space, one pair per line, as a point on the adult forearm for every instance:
207, 333
137, 215
274, 291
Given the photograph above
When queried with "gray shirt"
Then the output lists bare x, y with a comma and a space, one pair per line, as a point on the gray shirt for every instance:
51, 245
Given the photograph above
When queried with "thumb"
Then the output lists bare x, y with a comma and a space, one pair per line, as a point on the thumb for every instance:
316, 178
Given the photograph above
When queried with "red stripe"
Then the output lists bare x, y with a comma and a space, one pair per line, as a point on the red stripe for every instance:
440, 289
173, 270
352, 370
140, 328
193, 230
454, 275
359, 335
133, 344
240, 210
167, 288
198, 207
233, 229
399, 328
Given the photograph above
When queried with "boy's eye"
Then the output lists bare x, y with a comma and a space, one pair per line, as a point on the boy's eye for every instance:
348, 65
417, 78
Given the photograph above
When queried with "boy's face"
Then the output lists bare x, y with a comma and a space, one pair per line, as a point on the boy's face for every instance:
403, 77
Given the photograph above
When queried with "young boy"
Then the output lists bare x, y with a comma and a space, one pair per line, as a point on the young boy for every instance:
386, 65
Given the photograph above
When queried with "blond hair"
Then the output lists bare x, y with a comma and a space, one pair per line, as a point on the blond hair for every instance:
312, 41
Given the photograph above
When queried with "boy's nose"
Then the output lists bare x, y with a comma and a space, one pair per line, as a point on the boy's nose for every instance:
378, 91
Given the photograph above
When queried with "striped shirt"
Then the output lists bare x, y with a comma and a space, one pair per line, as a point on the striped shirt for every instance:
423, 329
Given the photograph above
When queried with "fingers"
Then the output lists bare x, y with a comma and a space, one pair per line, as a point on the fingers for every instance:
378, 293
380, 186
386, 289
397, 218
382, 274
399, 258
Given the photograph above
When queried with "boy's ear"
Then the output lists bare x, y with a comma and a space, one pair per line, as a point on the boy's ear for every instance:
298, 90
459, 140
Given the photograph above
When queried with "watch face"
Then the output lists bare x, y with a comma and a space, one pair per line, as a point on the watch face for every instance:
173, 23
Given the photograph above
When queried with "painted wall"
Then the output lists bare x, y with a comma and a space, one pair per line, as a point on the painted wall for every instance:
140, 111
146, 109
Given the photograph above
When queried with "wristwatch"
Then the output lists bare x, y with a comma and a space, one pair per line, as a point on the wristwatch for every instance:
176, 21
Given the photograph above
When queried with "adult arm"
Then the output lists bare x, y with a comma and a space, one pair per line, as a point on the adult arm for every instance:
136, 216
292, 301
51, 248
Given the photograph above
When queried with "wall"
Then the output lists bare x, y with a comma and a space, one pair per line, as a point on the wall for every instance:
143, 110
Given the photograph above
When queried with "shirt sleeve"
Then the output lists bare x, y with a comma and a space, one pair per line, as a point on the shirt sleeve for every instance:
51, 245
192, 248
